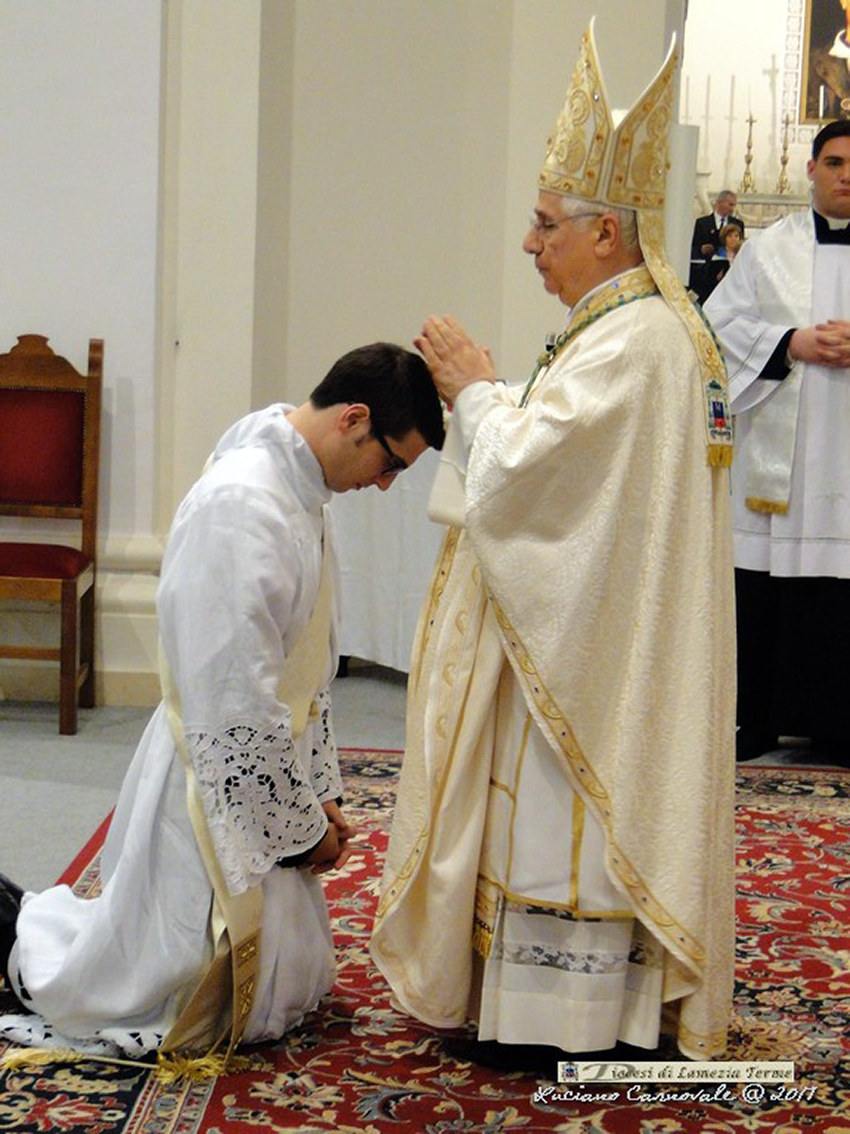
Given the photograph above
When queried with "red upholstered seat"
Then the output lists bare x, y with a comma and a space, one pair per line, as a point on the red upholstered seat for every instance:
42, 560
49, 454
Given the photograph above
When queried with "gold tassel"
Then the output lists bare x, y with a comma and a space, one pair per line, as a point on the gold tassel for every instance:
167, 1069
172, 1068
720, 456
17, 1057
482, 939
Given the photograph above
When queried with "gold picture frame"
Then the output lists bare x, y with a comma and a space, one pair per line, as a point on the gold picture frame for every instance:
825, 77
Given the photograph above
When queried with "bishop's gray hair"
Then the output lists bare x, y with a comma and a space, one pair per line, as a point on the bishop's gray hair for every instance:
571, 206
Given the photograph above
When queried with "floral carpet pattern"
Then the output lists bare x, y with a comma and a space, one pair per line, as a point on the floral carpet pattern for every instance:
357, 1066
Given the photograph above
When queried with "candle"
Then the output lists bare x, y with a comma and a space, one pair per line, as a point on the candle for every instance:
821, 99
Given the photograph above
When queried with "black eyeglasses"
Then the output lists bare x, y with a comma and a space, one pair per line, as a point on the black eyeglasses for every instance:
397, 464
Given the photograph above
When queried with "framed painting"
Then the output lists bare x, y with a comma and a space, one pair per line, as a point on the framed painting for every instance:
825, 79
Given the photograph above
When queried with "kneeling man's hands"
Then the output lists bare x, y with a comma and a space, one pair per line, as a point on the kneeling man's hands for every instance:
334, 850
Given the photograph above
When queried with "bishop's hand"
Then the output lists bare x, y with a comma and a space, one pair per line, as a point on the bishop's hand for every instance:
455, 361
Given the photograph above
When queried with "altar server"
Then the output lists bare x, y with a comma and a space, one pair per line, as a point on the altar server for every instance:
783, 318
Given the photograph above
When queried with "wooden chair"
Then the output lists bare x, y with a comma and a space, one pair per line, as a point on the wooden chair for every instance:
49, 451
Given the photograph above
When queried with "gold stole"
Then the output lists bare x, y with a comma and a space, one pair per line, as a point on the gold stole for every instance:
636, 283
222, 1001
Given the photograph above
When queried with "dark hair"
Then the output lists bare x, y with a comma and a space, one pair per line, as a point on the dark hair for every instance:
394, 383
839, 129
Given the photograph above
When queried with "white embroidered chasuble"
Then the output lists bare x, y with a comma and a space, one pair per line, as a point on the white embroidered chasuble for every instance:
602, 538
239, 580
783, 278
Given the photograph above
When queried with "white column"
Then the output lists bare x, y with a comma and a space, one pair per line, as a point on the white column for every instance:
209, 228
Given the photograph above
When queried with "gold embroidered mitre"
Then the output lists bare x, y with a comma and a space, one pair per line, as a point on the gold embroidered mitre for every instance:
590, 157
620, 158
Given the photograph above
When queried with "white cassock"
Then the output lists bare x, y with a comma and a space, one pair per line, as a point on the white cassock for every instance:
239, 580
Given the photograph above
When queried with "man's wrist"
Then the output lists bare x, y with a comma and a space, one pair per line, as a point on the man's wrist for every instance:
299, 858
780, 362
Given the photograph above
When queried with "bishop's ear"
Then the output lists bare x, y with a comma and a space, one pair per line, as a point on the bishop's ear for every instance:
607, 235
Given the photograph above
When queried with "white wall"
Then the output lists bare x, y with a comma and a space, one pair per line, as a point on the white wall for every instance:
398, 170
79, 180
210, 171
79, 199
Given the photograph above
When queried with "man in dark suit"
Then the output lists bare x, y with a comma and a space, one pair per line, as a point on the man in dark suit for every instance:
706, 238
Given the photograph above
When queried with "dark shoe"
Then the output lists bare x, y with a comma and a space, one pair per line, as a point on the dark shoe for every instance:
750, 743
537, 1059
831, 750
10, 899
10, 907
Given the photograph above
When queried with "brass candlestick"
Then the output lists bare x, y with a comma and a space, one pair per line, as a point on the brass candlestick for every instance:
784, 184
748, 184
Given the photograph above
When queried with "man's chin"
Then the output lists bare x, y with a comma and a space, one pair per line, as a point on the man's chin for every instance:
837, 206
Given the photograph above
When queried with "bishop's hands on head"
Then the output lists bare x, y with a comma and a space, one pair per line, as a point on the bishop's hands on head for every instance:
454, 359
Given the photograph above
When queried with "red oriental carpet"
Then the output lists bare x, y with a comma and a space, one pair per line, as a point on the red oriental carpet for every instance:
356, 1066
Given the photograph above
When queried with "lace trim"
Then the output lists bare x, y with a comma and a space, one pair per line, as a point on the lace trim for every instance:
327, 782
567, 960
258, 798
643, 949
35, 1031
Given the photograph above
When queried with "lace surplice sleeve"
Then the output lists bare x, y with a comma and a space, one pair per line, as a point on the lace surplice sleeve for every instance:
239, 581
321, 743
